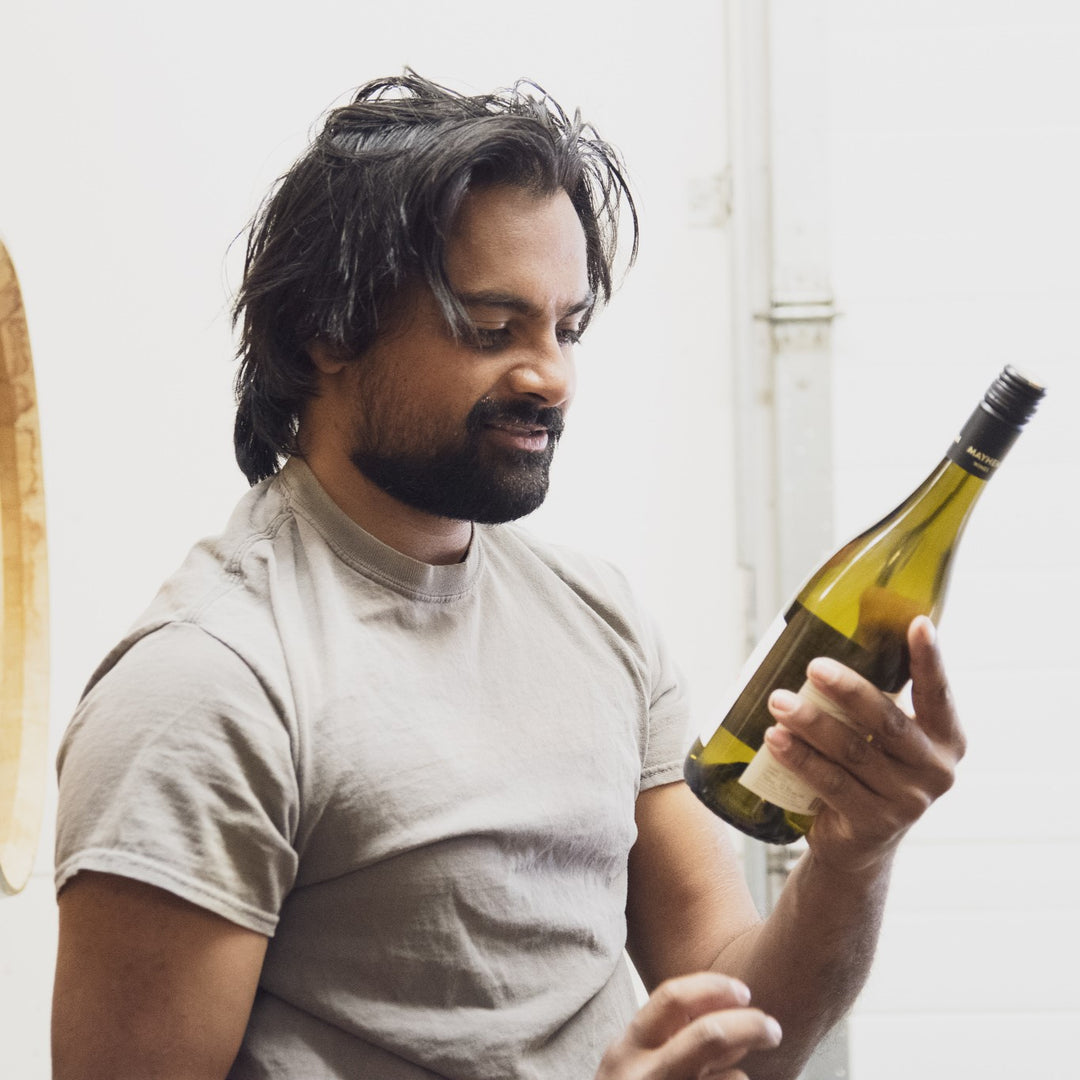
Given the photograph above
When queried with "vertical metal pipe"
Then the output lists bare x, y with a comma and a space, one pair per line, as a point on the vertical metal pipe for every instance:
781, 336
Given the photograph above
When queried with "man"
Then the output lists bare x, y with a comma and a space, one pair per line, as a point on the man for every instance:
381, 786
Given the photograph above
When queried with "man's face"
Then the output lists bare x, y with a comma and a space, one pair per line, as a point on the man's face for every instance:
467, 430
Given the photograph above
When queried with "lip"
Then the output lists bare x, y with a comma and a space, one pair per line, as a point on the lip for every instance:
521, 436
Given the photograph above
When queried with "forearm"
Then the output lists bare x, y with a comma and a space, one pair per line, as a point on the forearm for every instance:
806, 963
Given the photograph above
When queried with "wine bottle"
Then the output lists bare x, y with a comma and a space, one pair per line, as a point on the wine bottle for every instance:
855, 608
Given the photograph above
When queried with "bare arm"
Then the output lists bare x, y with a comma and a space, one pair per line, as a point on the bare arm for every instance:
688, 908
148, 986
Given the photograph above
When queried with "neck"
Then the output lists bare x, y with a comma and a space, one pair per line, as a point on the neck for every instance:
422, 536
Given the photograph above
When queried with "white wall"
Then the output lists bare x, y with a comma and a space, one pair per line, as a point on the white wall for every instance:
137, 140
955, 154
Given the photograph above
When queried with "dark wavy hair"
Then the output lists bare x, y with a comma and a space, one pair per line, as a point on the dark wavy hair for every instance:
368, 209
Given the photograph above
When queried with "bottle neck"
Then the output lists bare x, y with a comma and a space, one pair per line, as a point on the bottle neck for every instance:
982, 443
942, 501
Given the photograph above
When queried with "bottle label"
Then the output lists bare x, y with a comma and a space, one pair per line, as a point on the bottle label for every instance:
983, 441
773, 782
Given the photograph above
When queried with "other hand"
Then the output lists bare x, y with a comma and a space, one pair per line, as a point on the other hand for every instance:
693, 1027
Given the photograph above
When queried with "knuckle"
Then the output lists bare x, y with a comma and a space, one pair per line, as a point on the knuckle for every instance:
896, 818
910, 807
896, 723
667, 995
833, 781
942, 693
944, 778
857, 749
797, 753
711, 1031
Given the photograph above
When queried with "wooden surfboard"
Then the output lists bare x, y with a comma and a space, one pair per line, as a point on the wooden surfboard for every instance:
24, 628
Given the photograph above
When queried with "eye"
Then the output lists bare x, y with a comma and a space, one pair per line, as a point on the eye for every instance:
491, 337
568, 335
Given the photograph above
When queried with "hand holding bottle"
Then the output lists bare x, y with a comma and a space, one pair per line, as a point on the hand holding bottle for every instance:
878, 770
697, 1025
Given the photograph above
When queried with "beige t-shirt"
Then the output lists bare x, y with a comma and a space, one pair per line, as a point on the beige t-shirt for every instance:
418, 780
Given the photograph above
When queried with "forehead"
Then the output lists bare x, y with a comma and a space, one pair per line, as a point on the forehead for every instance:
511, 238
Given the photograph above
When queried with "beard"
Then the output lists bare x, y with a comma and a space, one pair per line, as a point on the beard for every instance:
469, 478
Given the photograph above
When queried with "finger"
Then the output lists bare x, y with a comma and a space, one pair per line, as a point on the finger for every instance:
679, 1001
878, 807
840, 741
931, 696
835, 784
868, 741
873, 714
716, 1041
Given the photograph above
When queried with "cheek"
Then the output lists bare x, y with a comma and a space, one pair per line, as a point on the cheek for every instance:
436, 410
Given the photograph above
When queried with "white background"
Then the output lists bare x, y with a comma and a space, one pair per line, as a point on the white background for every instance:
135, 142
955, 157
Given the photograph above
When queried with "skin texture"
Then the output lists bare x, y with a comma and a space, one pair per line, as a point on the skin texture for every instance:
149, 986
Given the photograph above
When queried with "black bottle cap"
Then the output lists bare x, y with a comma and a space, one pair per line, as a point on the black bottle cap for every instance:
1013, 397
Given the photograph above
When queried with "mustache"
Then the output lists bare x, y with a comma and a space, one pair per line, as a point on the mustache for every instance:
489, 411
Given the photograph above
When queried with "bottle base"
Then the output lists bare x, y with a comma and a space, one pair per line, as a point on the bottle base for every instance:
718, 787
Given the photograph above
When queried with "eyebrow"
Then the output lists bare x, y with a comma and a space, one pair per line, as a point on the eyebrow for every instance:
519, 304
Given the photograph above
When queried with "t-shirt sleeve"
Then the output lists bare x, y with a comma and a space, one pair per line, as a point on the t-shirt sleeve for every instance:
666, 746
177, 770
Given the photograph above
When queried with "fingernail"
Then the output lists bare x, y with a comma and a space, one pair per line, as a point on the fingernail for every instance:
742, 992
782, 702
775, 1031
823, 670
777, 737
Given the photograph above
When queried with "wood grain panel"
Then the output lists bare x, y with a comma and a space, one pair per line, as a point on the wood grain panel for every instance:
24, 654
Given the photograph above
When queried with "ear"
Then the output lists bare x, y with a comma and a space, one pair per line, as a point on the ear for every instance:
327, 357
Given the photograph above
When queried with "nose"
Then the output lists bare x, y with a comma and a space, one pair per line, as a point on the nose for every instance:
546, 372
